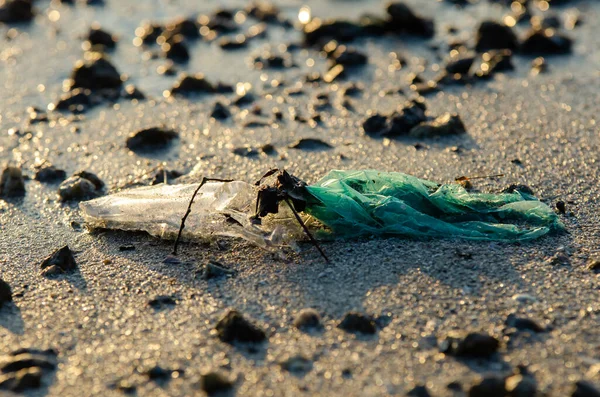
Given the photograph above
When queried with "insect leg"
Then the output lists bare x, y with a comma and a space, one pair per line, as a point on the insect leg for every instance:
310, 236
189, 208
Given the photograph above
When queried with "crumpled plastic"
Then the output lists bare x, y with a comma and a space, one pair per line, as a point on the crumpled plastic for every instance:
360, 203
219, 209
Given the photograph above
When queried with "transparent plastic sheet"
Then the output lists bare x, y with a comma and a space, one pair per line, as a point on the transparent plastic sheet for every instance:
219, 209
358, 203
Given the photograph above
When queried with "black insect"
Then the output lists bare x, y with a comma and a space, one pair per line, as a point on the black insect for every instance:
286, 188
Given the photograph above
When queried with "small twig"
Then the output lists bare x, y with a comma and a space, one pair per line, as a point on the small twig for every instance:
189, 208
466, 178
310, 236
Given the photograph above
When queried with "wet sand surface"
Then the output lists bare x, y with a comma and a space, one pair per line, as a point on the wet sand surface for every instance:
106, 330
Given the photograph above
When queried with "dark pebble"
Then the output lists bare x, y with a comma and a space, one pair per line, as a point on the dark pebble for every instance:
60, 261
418, 391
473, 345
233, 43
151, 139
96, 181
358, 323
220, 111
523, 323
214, 382
187, 27
98, 36
16, 11
245, 151
158, 373
545, 42
95, 73
233, 327
244, 100
561, 207
353, 90
492, 35
214, 269
77, 188
12, 183
176, 50
78, 100
263, 11
376, 125
307, 319
492, 62
585, 388
491, 386
404, 20
460, 64
310, 144
49, 173
162, 302
297, 364
5, 292
445, 125
128, 247
192, 84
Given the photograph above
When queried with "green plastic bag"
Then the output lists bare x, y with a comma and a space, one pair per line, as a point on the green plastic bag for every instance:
359, 203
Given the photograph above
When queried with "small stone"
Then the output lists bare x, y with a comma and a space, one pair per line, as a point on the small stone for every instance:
176, 50
492, 35
245, 151
297, 364
460, 65
77, 100
523, 189
418, 391
358, 323
49, 173
5, 292
95, 73
244, 100
76, 188
128, 247
561, 207
214, 269
158, 373
155, 138
491, 386
376, 125
220, 111
348, 56
62, 259
447, 124
310, 144
404, 20
558, 259
307, 319
523, 324
233, 327
214, 382
521, 386
97, 36
192, 85
545, 42
585, 388
473, 345
162, 302
16, 11
318, 32
12, 183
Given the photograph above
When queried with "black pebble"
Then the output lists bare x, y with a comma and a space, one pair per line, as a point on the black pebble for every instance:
98, 36
473, 345
192, 84
132, 92
419, 391
585, 388
307, 319
523, 323
5, 292
220, 111
49, 173
492, 35
15, 11
97, 73
128, 247
358, 323
233, 327
214, 269
12, 183
404, 20
214, 382
61, 260
77, 100
310, 144
151, 139
490, 386
161, 302
542, 42
82, 185
376, 124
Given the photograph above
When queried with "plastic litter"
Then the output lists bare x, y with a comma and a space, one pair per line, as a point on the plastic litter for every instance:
358, 203
350, 203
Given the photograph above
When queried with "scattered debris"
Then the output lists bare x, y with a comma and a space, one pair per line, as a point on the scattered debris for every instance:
155, 138
233, 327
12, 183
358, 323
61, 261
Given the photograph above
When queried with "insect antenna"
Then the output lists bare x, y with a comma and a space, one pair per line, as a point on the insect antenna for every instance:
189, 208
310, 236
